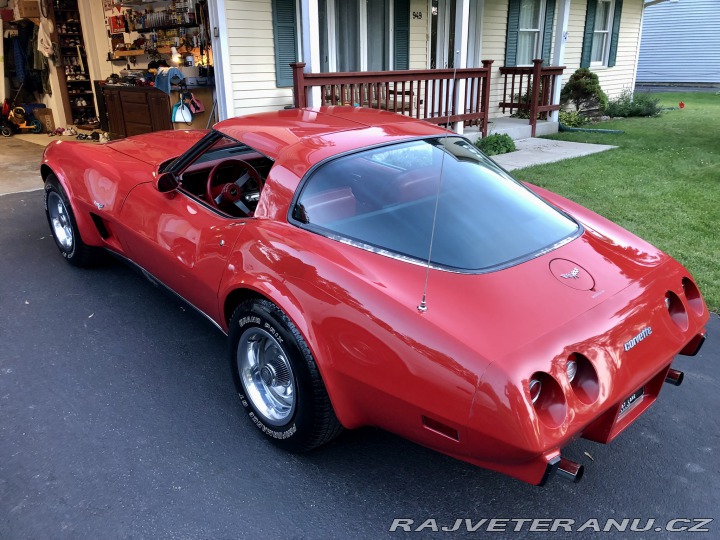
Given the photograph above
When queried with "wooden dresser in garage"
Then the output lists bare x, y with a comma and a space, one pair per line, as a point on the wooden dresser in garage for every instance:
133, 110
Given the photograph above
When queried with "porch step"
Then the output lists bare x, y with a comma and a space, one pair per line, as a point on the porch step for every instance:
517, 128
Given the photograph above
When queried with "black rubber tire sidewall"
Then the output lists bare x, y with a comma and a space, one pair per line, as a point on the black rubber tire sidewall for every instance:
296, 433
78, 254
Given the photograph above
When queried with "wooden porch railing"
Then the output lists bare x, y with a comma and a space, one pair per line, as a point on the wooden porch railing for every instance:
531, 89
425, 94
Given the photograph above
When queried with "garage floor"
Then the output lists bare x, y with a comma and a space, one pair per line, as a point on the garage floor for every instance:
20, 163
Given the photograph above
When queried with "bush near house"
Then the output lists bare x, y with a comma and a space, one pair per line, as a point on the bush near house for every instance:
634, 104
573, 119
583, 90
496, 144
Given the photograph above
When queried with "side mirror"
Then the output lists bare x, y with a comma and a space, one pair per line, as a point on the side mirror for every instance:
167, 182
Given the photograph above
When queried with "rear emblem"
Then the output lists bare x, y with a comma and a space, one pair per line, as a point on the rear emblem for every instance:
646, 332
572, 275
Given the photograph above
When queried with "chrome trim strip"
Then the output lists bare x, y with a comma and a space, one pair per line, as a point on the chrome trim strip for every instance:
424, 263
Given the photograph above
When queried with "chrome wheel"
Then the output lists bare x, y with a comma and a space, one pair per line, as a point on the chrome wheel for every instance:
60, 221
266, 376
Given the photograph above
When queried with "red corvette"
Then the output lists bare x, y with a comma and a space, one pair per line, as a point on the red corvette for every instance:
370, 269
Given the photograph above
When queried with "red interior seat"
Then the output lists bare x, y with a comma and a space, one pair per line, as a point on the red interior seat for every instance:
330, 205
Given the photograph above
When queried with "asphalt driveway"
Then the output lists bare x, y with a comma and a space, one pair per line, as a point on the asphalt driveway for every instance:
118, 419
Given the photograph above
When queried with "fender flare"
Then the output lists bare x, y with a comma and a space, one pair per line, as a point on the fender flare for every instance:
88, 232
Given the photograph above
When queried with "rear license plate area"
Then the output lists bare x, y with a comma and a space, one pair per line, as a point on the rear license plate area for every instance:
631, 400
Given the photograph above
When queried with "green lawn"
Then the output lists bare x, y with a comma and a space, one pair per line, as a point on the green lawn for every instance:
662, 183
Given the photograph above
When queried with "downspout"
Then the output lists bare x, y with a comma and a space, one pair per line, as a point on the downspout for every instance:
637, 51
310, 29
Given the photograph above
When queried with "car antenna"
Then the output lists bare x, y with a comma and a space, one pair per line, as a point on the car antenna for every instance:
422, 308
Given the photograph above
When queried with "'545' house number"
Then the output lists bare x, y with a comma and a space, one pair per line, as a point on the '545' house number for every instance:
417, 14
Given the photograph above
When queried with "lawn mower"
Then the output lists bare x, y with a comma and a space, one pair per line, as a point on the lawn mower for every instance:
15, 119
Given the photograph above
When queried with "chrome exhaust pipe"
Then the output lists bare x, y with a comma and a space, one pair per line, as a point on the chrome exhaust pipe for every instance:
674, 377
569, 470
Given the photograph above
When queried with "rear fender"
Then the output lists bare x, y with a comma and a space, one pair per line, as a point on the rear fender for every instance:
276, 290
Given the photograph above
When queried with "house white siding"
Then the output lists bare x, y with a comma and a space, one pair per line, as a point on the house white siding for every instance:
494, 34
620, 77
681, 43
252, 58
418, 34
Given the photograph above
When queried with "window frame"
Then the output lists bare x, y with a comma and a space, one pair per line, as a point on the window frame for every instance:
607, 35
543, 44
392, 32
589, 33
537, 48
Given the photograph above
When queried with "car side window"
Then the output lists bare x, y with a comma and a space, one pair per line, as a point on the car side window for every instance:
228, 176
399, 198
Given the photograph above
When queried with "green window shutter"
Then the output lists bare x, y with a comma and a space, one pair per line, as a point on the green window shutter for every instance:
513, 25
615, 34
401, 45
548, 31
588, 36
285, 33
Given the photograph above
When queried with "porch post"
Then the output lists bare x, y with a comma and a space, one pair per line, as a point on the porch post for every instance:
299, 97
561, 37
537, 75
310, 27
462, 31
487, 64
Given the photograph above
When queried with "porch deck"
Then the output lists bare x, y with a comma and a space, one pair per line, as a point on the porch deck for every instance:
517, 128
460, 97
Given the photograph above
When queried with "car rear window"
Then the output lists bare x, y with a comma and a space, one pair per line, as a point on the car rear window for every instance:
394, 199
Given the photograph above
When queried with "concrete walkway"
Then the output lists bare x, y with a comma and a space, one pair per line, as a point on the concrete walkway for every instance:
540, 151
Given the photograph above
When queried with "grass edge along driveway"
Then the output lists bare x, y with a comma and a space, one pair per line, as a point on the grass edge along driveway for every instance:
662, 183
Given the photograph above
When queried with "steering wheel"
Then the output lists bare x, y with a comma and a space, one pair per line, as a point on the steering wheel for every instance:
232, 192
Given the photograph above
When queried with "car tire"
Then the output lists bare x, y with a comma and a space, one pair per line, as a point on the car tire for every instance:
63, 226
277, 379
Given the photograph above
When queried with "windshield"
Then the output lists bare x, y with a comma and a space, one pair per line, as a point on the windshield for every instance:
388, 199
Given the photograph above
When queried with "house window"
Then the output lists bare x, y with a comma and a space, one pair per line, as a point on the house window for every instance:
529, 32
364, 35
601, 32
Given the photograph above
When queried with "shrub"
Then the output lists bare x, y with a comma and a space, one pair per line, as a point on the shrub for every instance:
629, 104
496, 144
583, 89
572, 119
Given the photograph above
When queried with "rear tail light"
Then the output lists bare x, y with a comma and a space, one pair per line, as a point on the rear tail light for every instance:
535, 388
571, 369
693, 296
547, 398
585, 382
677, 310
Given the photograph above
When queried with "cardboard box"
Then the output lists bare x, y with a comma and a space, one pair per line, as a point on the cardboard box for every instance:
46, 117
29, 9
